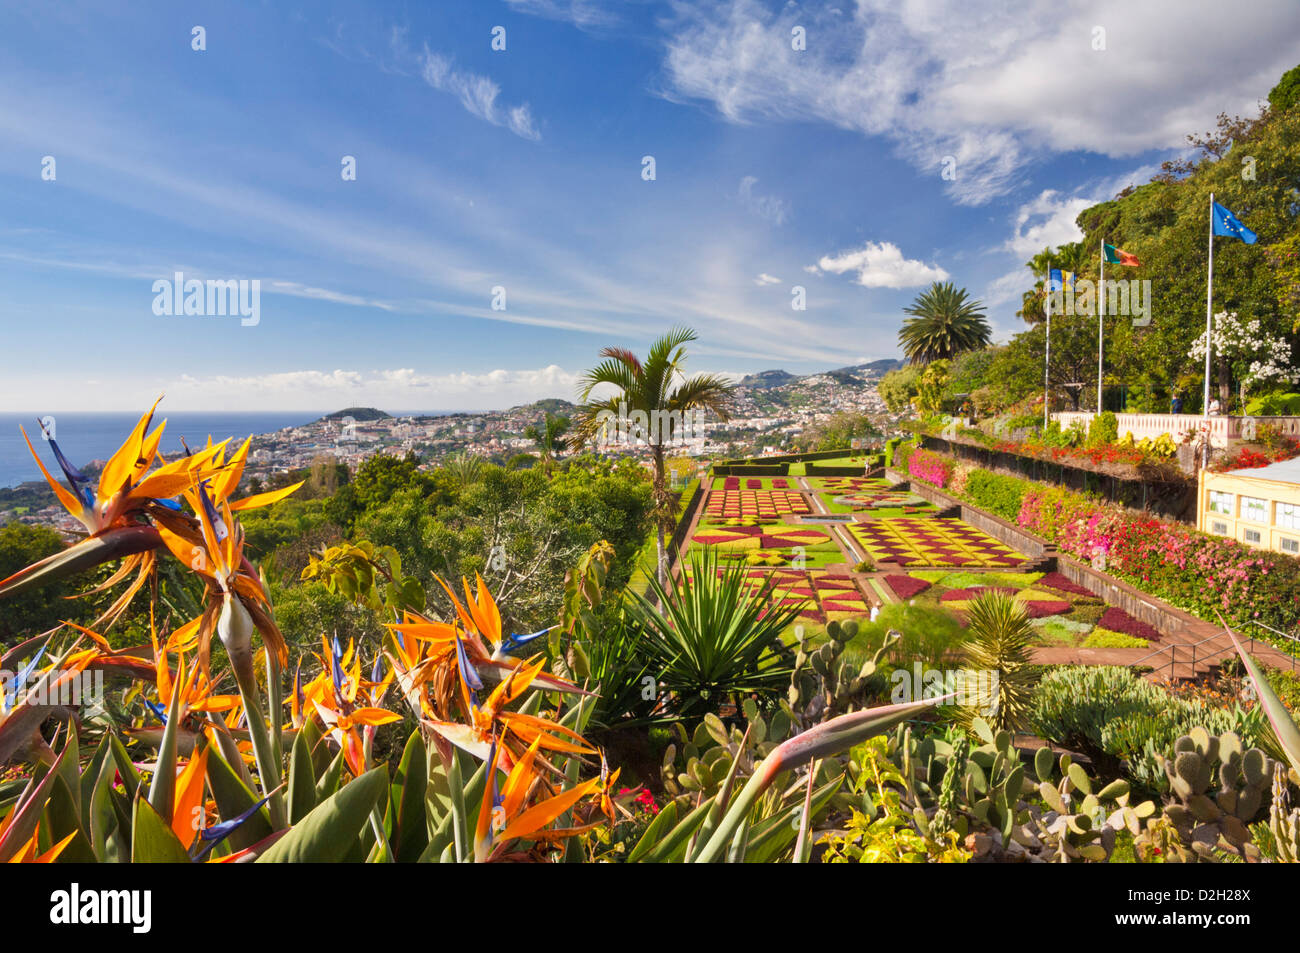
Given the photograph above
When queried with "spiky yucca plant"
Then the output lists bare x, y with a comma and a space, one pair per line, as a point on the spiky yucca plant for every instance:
998, 652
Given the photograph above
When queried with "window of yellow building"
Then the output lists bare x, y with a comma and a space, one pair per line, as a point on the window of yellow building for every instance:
1220, 502
1288, 515
1254, 509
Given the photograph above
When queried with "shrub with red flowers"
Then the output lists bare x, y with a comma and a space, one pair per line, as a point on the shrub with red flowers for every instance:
930, 467
1248, 458
1195, 571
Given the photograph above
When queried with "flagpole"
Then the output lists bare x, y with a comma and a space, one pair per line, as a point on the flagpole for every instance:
1101, 319
1209, 333
1047, 353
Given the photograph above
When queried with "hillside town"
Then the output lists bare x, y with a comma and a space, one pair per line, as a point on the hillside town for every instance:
771, 410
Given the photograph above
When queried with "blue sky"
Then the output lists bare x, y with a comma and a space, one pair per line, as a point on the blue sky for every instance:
522, 169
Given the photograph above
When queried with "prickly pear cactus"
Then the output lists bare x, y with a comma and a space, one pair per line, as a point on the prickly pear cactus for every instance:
1216, 789
822, 685
988, 797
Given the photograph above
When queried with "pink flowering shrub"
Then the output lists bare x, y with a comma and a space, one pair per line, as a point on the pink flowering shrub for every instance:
930, 467
1200, 573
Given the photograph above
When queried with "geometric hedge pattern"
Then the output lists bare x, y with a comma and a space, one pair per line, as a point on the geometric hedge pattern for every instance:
932, 542
738, 504
828, 597
759, 537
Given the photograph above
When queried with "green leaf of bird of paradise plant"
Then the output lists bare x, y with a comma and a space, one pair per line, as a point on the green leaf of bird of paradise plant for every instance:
1288, 735
234, 798
329, 833
152, 839
406, 815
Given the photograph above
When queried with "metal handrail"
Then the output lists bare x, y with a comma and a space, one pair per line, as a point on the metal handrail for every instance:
1173, 648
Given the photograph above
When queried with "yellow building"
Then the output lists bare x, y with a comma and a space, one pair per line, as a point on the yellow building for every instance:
1258, 507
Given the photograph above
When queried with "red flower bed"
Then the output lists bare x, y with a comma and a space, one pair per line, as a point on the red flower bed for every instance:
1062, 583
1039, 608
905, 587
1117, 620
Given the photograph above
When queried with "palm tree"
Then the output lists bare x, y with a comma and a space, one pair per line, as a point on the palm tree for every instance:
946, 323
549, 437
657, 397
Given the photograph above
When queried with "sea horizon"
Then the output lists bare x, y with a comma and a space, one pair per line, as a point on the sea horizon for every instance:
84, 436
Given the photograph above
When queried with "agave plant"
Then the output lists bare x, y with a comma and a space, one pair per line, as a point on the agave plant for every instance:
708, 640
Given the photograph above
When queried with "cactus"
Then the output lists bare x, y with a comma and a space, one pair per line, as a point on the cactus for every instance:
1216, 789
987, 796
1283, 821
822, 686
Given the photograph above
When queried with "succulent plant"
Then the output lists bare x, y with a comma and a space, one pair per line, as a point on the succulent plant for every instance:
822, 685
1284, 821
987, 796
1216, 789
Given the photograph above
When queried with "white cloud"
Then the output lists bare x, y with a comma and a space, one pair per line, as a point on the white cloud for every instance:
478, 94
769, 207
1013, 83
1046, 220
766, 279
882, 265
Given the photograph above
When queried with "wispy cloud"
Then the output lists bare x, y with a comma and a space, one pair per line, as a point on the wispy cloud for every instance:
584, 14
992, 94
769, 207
478, 94
882, 265
766, 279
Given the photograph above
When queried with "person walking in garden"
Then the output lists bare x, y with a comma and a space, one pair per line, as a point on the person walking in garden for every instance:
1176, 405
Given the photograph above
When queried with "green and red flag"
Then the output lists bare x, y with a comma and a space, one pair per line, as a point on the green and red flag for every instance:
1118, 256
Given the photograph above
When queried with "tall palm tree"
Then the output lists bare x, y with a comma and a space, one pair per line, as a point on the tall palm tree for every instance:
657, 389
549, 437
947, 321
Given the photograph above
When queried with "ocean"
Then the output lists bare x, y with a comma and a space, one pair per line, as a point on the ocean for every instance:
95, 436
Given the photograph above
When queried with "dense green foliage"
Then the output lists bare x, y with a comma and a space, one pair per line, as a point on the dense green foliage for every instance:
41, 609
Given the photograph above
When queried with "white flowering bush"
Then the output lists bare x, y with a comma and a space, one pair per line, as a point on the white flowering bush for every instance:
1255, 355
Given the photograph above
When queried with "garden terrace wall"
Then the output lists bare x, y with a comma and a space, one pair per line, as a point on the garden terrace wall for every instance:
684, 524
1004, 532
1171, 621
1174, 499
813, 470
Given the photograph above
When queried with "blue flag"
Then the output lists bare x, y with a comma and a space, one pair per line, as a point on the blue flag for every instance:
1225, 223
1058, 280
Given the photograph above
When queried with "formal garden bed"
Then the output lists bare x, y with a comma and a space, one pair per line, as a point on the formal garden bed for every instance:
747, 503
768, 543
1061, 612
933, 541
821, 596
